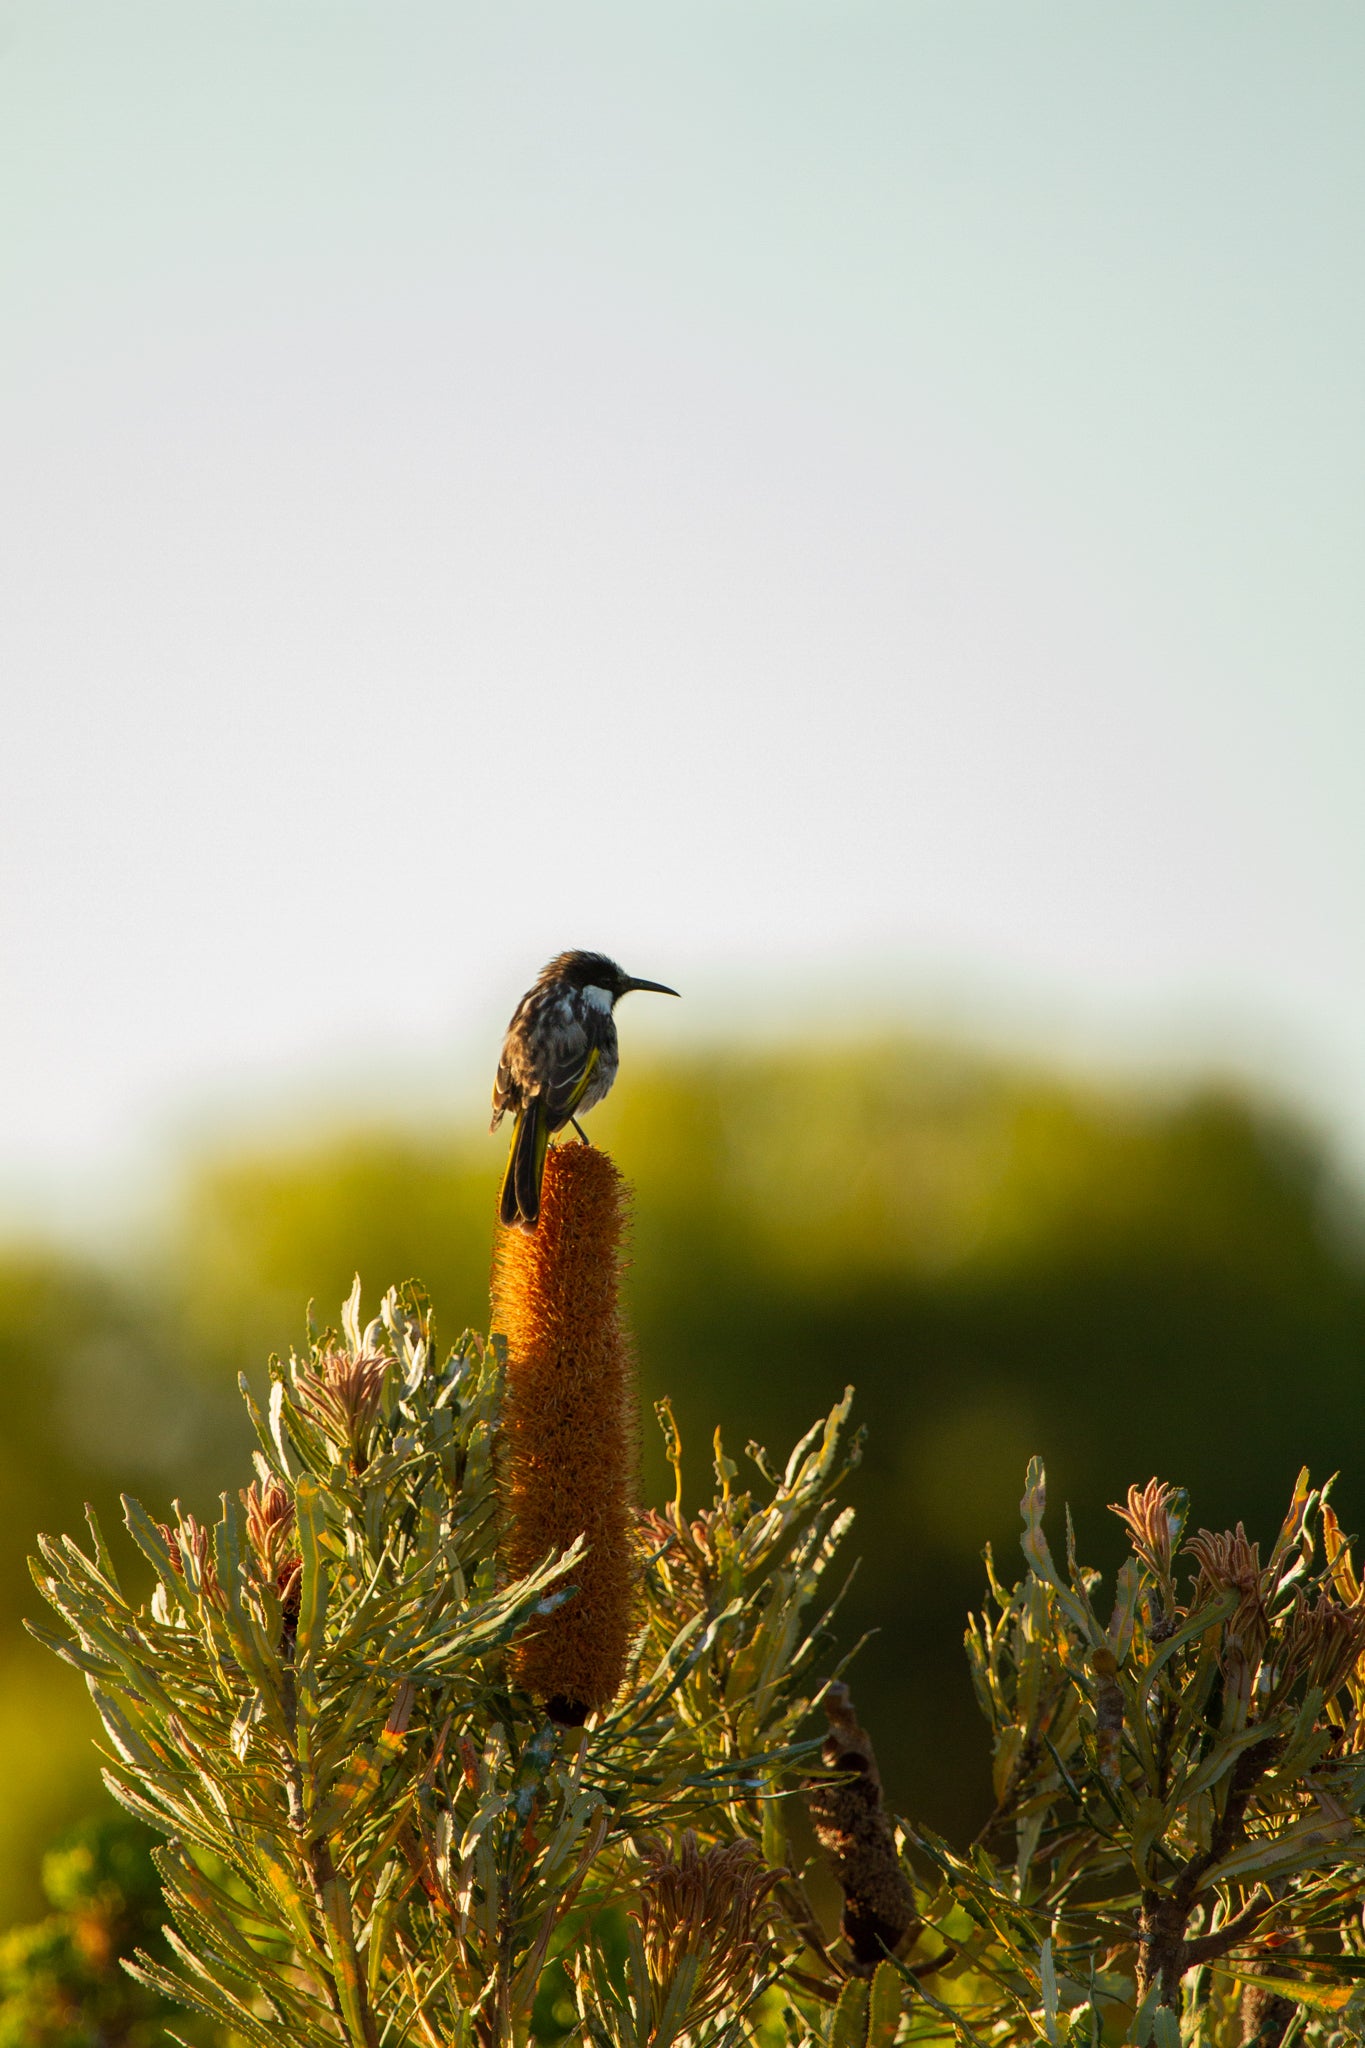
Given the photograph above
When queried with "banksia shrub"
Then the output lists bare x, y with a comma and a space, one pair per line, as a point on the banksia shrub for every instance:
373, 1832
569, 1427
1179, 1788
333, 1706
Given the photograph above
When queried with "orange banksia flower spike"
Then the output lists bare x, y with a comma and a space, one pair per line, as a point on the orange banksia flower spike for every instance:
570, 1427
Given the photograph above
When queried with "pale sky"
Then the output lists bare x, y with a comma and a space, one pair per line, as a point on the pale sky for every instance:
848, 506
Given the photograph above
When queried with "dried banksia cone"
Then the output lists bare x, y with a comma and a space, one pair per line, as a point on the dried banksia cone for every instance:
855, 1832
1266, 2017
570, 1426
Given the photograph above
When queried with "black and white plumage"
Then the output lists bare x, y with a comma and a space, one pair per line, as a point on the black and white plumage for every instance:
559, 1058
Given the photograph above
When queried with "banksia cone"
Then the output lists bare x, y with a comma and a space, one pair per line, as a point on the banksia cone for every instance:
570, 1426
854, 1829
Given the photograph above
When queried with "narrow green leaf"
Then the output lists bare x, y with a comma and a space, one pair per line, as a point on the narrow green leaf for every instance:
354, 1786
673, 2018
258, 1422
313, 1592
288, 1465
351, 1989
1047, 1984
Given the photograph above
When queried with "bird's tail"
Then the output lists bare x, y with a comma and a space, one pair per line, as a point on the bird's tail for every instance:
520, 1201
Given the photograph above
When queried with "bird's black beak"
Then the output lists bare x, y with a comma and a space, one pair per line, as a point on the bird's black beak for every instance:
657, 987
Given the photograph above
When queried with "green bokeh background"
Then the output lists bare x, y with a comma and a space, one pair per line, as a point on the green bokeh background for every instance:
1003, 1261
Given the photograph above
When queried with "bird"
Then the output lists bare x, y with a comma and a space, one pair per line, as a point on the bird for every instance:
559, 1058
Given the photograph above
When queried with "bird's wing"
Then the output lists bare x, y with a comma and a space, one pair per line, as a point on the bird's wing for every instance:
567, 1087
506, 1094
510, 1081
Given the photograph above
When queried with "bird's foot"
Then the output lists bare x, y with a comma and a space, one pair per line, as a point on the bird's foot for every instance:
580, 1130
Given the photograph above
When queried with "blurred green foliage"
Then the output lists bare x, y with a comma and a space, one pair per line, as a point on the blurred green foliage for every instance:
96, 1390
61, 1980
1004, 1262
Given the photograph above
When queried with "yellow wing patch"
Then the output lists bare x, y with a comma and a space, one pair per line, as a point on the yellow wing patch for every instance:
580, 1086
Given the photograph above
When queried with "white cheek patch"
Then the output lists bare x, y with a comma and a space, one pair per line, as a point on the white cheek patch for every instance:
597, 998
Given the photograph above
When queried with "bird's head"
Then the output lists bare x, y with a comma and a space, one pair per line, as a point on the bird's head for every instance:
596, 971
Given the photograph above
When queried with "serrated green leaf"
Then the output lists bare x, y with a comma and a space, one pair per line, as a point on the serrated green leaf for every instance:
884, 2005
1047, 1986
148, 1538
848, 2028
284, 1889
207, 1999
1145, 2016
1166, 2027
102, 1556
71, 1653
1149, 1824
346, 1972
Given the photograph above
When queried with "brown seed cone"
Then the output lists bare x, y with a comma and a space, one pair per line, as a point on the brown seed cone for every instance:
855, 1832
570, 1426
1265, 2017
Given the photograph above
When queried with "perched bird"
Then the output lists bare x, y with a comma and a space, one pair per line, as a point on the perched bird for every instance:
558, 1061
